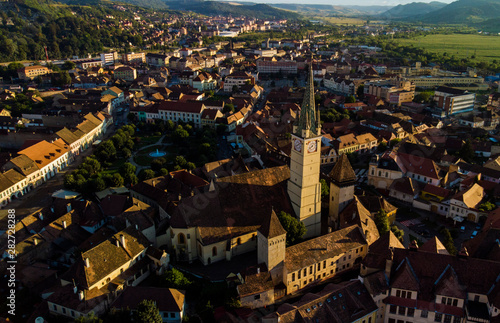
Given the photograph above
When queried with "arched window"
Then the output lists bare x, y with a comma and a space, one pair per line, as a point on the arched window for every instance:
214, 251
181, 239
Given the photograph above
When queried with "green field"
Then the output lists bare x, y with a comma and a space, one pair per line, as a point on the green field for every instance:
485, 48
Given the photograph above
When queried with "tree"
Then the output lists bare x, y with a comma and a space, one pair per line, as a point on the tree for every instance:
382, 222
487, 206
382, 146
68, 65
130, 179
63, 78
146, 174
448, 242
180, 160
398, 232
360, 92
106, 151
91, 166
147, 312
176, 279
325, 189
295, 229
228, 108
90, 318
97, 184
467, 151
116, 180
350, 99
180, 133
423, 97
127, 168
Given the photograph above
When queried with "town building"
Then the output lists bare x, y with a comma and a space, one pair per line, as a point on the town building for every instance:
31, 72
453, 101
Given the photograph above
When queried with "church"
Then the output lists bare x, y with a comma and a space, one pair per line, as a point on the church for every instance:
224, 221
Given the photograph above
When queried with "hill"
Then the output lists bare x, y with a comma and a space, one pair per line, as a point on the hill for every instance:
464, 11
412, 9
317, 9
262, 11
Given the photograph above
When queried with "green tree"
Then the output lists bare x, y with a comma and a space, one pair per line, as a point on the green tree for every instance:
130, 179
176, 279
382, 146
325, 189
180, 161
228, 108
487, 206
63, 78
146, 174
90, 318
91, 165
382, 222
127, 168
360, 92
180, 133
467, 151
350, 99
448, 242
97, 184
68, 65
106, 151
294, 228
147, 312
398, 232
116, 180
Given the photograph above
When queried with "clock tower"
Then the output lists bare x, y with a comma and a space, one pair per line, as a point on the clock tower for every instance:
304, 187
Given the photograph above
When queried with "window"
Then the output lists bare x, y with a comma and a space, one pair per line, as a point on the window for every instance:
455, 302
293, 277
305, 272
447, 318
324, 264
238, 242
438, 317
54, 307
214, 251
410, 312
476, 298
64, 310
298, 276
393, 309
402, 310
172, 315
73, 313
443, 300
456, 319
310, 270
448, 301
424, 313
181, 239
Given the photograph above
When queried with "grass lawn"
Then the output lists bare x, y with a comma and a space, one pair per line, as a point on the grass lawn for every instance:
143, 160
148, 140
485, 48
342, 20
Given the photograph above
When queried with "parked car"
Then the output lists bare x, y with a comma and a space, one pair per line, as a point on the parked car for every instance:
462, 229
473, 234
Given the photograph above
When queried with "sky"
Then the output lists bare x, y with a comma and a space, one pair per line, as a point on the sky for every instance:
351, 2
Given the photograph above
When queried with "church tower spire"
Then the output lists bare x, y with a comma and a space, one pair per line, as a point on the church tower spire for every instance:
308, 124
304, 188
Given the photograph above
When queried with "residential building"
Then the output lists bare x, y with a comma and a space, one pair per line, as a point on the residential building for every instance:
384, 89
465, 204
156, 59
237, 79
134, 58
266, 66
31, 72
13, 185
346, 144
126, 73
453, 101
205, 82
189, 112
109, 58
170, 302
347, 302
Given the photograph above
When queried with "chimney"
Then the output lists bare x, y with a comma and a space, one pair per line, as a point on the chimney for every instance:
68, 207
75, 289
87, 262
35, 241
41, 215
64, 224
122, 240
81, 295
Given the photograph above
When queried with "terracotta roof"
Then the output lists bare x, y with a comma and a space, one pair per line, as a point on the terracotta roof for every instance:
10, 178
345, 302
471, 197
166, 299
356, 214
108, 256
191, 107
272, 227
434, 245
380, 251
24, 164
342, 171
44, 153
238, 206
324, 247
407, 185
418, 165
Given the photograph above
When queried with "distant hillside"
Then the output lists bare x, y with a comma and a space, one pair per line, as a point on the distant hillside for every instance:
371, 10
317, 9
262, 11
413, 9
464, 11
490, 25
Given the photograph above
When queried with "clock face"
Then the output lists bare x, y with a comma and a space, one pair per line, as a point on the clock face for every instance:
311, 146
297, 144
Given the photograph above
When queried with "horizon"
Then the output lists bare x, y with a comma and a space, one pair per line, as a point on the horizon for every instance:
365, 3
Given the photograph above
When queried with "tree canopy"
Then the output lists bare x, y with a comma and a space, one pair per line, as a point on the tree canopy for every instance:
295, 229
